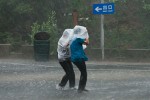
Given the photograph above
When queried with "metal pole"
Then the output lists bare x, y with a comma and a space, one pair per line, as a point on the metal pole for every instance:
102, 34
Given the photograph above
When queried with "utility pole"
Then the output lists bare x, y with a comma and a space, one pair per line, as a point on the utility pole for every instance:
102, 34
75, 17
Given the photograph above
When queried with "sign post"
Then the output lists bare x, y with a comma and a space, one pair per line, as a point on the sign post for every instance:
100, 9
102, 37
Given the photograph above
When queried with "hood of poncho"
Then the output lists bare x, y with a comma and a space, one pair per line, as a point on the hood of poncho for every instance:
66, 37
80, 32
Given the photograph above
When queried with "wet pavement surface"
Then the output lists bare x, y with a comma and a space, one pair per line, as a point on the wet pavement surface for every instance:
20, 80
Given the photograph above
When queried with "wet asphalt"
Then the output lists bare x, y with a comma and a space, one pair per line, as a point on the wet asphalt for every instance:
24, 80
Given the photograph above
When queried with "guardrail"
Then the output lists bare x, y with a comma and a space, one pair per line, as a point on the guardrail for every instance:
26, 51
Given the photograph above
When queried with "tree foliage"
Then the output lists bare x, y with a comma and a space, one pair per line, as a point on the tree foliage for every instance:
127, 28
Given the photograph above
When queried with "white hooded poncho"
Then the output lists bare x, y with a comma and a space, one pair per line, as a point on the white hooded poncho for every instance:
80, 32
63, 48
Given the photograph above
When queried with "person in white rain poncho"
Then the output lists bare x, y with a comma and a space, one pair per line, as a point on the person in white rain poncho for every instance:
64, 59
78, 56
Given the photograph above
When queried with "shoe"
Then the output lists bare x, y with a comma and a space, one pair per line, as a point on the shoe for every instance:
84, 90
58, 87
73, 88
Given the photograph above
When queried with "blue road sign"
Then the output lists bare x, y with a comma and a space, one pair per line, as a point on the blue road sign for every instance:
106, 8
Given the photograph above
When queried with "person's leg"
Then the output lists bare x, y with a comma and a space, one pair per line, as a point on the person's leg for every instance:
83, 77
64, 79
70, 73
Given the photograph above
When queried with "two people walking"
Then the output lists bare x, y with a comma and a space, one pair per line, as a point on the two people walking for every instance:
71, 49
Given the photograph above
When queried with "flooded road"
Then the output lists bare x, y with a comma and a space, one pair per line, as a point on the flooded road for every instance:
22, 81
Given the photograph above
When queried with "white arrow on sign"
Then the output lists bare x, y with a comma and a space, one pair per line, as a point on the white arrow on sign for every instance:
98, 9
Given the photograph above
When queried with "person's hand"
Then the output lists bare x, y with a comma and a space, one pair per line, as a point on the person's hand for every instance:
86, 42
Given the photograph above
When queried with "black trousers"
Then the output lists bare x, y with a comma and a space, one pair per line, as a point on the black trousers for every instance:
83, 77
68, 68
